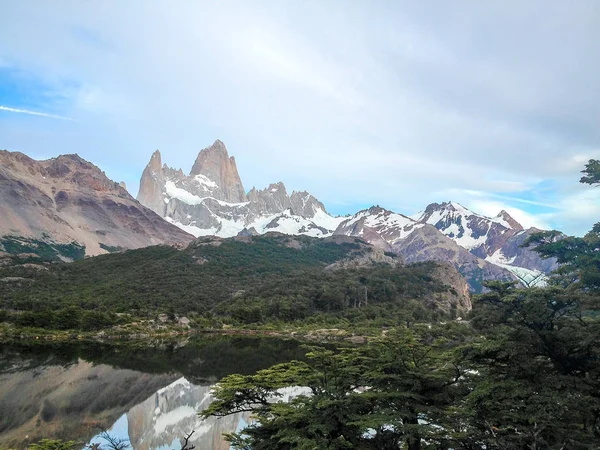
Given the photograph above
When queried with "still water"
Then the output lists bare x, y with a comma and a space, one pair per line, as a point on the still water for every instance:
149, 393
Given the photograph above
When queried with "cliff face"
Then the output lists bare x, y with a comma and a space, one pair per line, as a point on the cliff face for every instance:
215, 164
211, 200
151, 185
67, 199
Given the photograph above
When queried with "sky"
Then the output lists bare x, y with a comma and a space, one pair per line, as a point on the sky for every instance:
495, 104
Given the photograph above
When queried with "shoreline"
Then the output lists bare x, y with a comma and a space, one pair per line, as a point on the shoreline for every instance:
317, 335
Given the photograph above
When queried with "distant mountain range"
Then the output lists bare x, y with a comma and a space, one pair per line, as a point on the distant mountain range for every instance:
211, 200
67, 200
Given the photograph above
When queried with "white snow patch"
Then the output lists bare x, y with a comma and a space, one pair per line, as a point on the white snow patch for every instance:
190, 199
179, 382
499, 258
193, 230
527, 277
205, 181
326, 221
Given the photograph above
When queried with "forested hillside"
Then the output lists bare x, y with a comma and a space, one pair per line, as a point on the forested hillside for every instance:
251, 280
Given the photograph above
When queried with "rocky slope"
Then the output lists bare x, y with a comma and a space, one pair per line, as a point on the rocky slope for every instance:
496, 239
68, 199
211, 200
427, 243
481, 248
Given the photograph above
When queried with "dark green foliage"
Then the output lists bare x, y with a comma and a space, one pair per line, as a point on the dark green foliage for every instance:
69, 318
110, 248
340, 292
538, 370
52, 444
264, 280
386, 395
591, 173
45, 250
529, 379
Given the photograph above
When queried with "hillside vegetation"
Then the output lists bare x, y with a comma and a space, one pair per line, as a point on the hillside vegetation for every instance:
250, 280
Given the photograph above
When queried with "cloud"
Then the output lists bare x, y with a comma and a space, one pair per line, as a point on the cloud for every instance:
492, 208
387, 102
33, 113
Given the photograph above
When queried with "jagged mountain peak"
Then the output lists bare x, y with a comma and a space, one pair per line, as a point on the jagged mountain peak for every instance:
510, 222
448, 207
155, 162
378, 225
214, 163
212, 201
216, 152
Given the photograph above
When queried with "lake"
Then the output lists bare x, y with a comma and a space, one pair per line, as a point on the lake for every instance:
146, 392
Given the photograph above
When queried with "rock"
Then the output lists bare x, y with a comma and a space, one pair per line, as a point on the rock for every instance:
215, 164
152, 185
183, 322
163, 318
429, 244
211, 200
68, 199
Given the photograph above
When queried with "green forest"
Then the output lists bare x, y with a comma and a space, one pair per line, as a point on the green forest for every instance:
266, 279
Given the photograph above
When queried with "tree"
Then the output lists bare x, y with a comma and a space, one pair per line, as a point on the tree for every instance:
52, 444
538, 368
591, 173
579, 257
380, 396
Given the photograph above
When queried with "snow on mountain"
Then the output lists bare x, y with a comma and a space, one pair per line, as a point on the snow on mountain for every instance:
466, 228
392, 227
528, 277
211, 200
497, 239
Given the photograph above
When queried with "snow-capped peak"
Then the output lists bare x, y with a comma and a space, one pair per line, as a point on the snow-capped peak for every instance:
392, 226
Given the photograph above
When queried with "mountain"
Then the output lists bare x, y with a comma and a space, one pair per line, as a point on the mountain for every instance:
378, 226
173, 411
211, 200
497, 239
426, 243
418, 241
67, 203
68, 400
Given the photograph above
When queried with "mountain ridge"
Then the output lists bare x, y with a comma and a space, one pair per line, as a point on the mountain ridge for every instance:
67, 198
69, 193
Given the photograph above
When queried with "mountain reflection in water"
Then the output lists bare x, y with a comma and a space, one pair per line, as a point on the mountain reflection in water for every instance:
147, 393
163, 419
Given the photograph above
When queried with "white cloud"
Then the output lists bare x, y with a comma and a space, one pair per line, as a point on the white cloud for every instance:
32, 113
386, 102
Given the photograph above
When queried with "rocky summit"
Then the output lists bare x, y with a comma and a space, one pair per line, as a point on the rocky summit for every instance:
67, 199
211, 200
